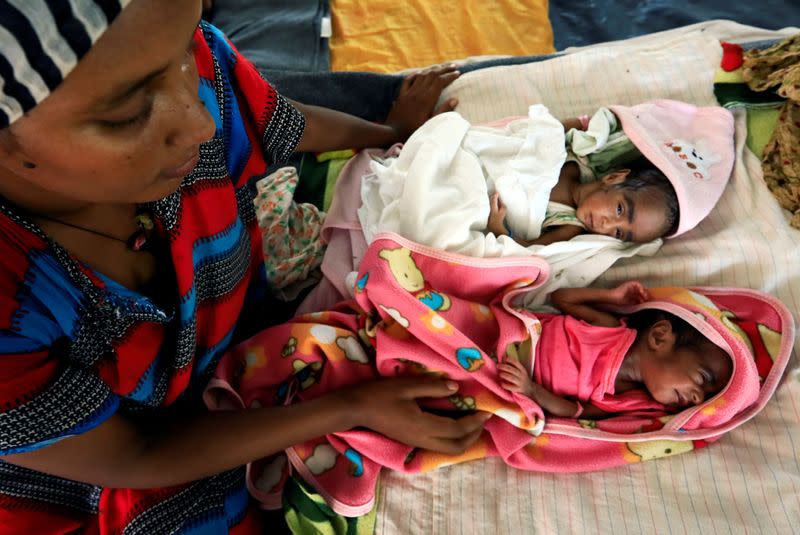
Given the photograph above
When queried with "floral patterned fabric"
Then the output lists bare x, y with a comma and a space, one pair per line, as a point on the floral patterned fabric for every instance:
291, 233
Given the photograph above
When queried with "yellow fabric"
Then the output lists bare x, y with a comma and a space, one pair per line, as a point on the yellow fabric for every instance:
392, 35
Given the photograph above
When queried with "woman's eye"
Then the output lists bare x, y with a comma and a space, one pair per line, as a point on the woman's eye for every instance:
139, 118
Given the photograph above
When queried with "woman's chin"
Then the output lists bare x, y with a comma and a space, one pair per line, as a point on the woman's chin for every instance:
159, 190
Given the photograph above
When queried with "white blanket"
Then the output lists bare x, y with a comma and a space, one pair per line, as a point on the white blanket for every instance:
436, 192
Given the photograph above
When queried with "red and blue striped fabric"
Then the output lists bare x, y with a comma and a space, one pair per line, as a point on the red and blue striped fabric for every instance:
77, 347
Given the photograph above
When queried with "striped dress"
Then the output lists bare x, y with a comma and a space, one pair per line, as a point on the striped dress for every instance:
77, 347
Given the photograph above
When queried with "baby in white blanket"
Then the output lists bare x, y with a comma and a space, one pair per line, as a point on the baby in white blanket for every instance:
635, 205
439, 189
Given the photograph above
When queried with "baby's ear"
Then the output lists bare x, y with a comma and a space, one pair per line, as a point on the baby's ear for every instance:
617, 177
660, 336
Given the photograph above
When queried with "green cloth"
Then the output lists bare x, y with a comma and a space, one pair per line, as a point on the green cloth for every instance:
313, 180
318, 176
334, 170
306, 513
761, 123
604, 144
732, 95
616, 154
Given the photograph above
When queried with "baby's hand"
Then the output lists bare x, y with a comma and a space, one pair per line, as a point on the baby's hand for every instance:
497, 216
628, 293
514, 377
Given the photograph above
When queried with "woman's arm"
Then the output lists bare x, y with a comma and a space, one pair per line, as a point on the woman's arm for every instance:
122, 453
577, 302
328, 129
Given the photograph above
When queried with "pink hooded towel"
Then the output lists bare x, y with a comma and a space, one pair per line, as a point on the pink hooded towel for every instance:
421, 311
692, 146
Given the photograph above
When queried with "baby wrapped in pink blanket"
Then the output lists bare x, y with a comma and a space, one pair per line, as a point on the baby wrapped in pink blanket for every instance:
421, 311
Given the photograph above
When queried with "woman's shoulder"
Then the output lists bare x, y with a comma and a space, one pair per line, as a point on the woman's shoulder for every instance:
37, 293
21, 247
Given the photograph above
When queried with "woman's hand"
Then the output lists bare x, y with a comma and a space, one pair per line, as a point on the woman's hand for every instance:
497, 216
515, 378
390, 407
628, 293
418, 95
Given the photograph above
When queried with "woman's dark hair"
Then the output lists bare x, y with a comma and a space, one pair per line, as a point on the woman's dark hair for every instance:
685, 334
645, 177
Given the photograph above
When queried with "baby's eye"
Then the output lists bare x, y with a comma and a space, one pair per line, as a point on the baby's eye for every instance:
620, 209
707, 378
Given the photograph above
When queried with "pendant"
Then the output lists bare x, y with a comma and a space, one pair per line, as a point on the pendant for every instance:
137, 240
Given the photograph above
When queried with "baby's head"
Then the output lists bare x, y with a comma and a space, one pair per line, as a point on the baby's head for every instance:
636, 205
678, 365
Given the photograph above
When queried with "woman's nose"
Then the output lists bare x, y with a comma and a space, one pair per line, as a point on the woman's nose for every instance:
192, 123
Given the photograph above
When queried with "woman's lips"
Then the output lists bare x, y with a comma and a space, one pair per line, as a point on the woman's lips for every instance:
183, 169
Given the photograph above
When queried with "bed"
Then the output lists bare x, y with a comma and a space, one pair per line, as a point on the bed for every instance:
749, 481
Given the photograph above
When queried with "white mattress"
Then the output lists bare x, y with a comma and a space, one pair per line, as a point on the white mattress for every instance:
747, 482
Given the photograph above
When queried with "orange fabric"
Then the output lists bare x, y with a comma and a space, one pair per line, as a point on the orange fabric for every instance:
392, 35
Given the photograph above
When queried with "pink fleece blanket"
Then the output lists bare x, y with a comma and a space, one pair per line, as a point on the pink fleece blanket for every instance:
421, 311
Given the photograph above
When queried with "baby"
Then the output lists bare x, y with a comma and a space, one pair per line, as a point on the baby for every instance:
633, 205
587, 358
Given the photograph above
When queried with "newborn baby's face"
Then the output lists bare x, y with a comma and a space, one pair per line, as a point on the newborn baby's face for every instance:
689, 375
621, 213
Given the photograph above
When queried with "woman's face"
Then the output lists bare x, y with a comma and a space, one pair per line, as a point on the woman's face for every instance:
126, 124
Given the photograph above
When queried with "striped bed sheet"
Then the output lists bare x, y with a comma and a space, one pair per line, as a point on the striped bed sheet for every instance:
749, 481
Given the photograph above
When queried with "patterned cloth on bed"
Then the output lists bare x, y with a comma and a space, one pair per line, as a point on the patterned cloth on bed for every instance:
423, 311
290, 234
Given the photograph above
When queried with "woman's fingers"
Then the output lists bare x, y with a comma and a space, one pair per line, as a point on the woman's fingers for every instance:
448, 435
424, 387
446, 427
453, 446
417, 98
438, 74
459, 445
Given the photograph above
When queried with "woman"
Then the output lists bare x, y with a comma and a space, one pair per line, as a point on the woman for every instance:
130, 253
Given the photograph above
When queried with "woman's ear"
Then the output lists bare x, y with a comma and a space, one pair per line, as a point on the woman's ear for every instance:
617, 177
660, 336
